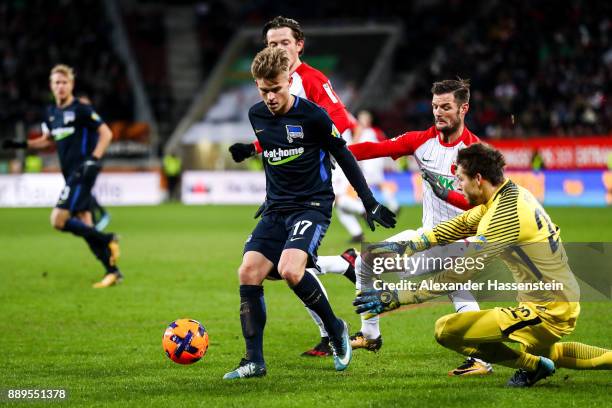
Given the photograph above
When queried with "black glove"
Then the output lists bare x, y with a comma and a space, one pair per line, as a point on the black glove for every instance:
89, 169
381, 214
242, 151
14, 144
440, 191
260, 210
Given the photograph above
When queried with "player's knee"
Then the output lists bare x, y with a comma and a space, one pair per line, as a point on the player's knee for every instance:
57, 221
248, 273
441, 331
290, 274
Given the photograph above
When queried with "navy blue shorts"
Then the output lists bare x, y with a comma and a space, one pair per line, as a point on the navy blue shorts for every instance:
276, 232
76, 195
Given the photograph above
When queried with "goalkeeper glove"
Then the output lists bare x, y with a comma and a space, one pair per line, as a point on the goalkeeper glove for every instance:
375, 302
418, 243
242, 151
408, 248
14, 144
437, 188
379, 213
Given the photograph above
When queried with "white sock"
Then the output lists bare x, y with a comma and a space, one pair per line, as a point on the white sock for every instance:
349, 221
370, 328
464, 301
318, 322
332, 264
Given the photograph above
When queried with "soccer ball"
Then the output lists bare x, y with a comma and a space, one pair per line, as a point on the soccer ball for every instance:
185, 341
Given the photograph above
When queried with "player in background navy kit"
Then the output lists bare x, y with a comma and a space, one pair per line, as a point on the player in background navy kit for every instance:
81, 138
297, 138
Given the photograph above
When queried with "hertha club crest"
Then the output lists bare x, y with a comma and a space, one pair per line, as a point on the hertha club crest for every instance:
294, 132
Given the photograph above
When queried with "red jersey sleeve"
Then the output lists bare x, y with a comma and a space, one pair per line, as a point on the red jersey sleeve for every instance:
319, 90
458, 200
258, 148
402, 145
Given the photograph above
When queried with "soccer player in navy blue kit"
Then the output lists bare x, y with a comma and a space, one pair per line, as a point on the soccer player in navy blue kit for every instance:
81, 138
297, 138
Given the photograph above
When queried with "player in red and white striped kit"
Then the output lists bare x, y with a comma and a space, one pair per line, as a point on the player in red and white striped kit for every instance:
435, 151
309, 83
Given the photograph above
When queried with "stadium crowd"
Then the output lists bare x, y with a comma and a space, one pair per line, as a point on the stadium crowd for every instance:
37, 34
536, 68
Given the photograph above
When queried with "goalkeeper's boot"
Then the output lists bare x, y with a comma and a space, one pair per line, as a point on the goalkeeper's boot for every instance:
320, 350
110, 279
341, 348
113, 246
472, 366
246, 369
359, 341
523, 378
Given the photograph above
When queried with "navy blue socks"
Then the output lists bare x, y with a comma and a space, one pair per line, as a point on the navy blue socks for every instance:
253, 320
310, 292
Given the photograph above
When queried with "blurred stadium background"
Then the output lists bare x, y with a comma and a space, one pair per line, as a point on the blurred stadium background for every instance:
172, 78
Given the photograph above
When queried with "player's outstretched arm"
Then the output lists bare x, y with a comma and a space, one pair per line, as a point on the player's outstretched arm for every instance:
417, 244
462, 226
402, 145
445, 194
14, 144
41, 142
375, 212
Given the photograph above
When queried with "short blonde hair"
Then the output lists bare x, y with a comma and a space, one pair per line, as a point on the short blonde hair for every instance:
269, 63
64, 70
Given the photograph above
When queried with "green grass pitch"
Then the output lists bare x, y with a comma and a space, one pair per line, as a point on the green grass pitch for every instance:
104, 346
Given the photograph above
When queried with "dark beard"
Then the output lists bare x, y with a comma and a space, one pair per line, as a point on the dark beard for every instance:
449, 131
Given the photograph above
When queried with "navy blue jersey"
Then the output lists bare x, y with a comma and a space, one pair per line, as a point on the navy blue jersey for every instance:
75, 131
296, 156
